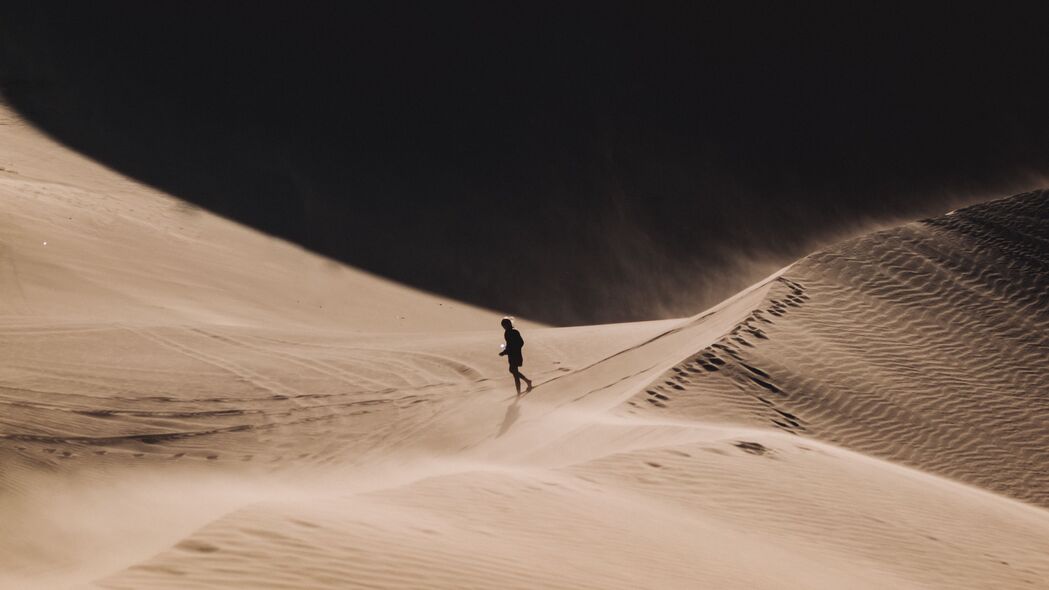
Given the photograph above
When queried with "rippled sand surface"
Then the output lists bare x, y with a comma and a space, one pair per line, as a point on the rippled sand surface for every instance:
185, 403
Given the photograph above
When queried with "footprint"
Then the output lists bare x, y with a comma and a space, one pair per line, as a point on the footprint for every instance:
755, 370
765, 384
752, 447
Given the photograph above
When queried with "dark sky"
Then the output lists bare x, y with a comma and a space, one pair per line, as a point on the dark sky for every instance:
568, 163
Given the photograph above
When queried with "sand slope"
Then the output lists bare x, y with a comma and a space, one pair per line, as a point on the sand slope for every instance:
926, 345
185, 403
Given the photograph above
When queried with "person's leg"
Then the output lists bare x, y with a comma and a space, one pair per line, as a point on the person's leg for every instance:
526, 379
517, 378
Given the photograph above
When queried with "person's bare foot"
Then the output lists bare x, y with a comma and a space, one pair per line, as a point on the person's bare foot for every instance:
530, 388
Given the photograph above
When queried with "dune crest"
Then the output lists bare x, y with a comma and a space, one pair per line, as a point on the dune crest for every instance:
186, 403
924, 345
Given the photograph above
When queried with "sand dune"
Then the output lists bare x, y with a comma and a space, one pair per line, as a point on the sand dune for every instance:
189, 404
924, 345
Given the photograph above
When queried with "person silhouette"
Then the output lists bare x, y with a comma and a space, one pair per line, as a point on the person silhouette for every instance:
512, 351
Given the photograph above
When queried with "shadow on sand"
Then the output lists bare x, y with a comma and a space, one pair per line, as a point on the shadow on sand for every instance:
512, 414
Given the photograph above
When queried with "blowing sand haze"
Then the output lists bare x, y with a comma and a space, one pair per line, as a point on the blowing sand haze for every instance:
776, 326
872, 416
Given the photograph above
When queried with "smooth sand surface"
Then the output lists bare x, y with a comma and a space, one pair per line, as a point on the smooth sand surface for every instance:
185, 403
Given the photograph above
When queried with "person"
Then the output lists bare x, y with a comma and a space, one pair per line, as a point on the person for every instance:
512, 351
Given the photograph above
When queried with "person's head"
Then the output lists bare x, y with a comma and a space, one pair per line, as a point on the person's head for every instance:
507, 324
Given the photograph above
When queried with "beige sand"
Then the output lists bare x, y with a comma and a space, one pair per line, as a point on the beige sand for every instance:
185, 403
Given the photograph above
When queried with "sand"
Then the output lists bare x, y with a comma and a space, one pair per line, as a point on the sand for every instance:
186, 403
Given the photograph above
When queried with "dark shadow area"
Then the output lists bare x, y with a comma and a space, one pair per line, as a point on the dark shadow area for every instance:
513, 412
580, 164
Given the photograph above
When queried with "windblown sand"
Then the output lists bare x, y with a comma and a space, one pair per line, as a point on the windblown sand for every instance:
186, 403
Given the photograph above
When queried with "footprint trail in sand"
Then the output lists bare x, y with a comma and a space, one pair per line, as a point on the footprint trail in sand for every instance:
185, 403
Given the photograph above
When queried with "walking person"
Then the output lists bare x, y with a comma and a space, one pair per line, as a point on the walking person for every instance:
512, 351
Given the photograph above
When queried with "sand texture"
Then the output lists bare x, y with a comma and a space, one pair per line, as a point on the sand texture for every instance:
186, 403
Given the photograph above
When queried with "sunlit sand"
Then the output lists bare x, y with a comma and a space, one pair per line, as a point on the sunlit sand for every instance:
187, 403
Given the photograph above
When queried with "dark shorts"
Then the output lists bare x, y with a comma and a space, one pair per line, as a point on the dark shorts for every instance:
515, 360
